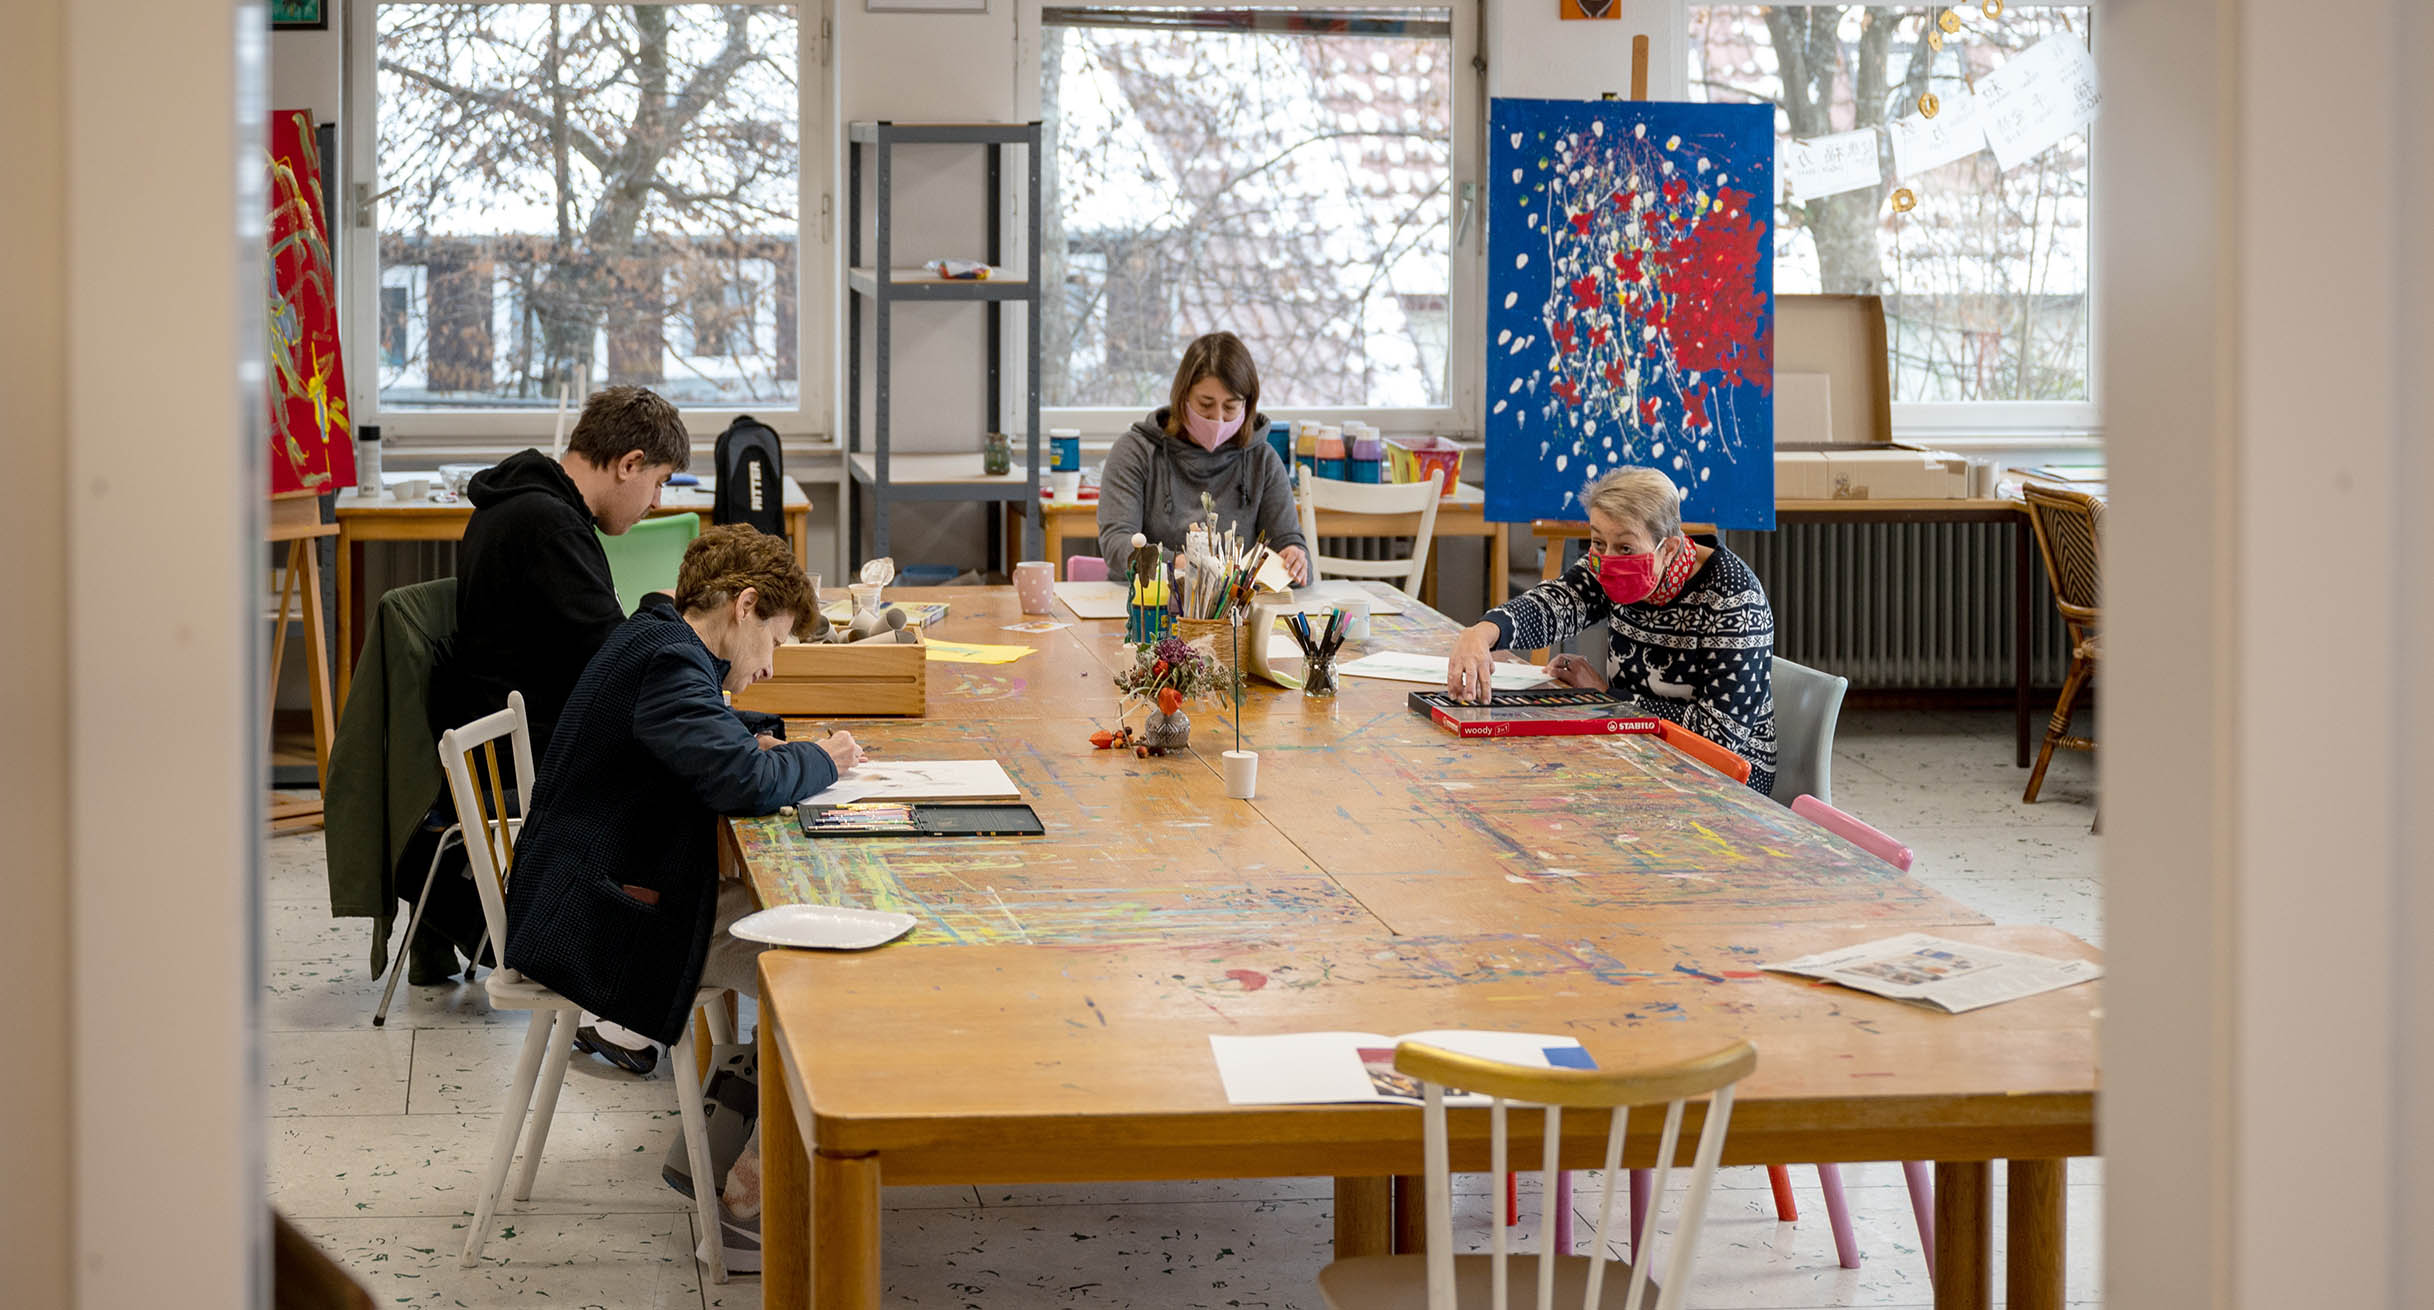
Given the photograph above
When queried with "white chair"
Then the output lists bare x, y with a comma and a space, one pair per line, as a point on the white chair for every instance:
1412, 506
554, 1018
1440, 1279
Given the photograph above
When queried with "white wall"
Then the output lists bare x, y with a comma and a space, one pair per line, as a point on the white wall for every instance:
1532, 51
308, 69
131, 1135
35, 1156
2266, 1048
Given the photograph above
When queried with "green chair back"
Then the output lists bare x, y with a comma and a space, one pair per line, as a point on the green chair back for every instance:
645, 559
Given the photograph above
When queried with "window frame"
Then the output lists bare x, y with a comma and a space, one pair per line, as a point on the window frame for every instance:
473, 430
2028, 421
1466, 289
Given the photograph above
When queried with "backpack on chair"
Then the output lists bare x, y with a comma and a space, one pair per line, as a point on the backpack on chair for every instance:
751, 477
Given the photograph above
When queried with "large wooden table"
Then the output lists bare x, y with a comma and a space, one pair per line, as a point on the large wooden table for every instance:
386, 518
1072, 527
1048, 1019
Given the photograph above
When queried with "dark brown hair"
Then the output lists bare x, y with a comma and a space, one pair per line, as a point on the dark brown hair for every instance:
1219, 355
732, 556
619, 419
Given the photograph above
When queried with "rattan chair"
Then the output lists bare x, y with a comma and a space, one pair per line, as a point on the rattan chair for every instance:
2070, 530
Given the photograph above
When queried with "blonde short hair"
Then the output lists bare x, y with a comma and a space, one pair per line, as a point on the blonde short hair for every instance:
1638, 495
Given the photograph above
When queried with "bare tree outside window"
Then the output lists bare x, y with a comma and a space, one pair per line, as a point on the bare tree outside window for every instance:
1986, 280
587, 195
1290, 186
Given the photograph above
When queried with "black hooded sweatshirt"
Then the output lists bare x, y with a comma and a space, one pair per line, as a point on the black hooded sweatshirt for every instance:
534, 600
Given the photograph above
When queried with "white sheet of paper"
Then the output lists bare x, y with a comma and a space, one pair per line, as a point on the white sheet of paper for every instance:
1325, 1068
2041, 96
1921, 143
1272, 575
1334, 591
1397, 666
1830, 165
920, 780
1093, 600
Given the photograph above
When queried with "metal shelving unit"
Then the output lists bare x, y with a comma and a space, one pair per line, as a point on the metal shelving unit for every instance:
929, 476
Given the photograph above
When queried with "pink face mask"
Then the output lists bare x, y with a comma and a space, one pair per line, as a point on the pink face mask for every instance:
1209, 433
1627, 579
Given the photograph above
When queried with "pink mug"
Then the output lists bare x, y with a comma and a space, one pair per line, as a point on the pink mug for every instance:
1035, 586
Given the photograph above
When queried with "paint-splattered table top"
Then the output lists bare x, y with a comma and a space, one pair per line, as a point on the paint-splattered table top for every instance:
924, 1056
1366, 814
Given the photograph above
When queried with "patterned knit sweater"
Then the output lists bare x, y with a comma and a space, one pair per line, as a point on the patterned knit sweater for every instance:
1705, 661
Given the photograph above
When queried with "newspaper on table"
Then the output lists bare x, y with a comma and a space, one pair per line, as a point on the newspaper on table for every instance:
1937, 971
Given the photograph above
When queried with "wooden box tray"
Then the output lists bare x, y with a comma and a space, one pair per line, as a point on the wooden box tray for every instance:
832, 681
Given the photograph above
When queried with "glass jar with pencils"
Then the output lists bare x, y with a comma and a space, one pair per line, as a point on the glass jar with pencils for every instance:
1318, 675
1320, 636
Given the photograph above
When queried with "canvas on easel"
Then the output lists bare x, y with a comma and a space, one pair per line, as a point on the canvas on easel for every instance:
311, 448
1630, 304
311, 440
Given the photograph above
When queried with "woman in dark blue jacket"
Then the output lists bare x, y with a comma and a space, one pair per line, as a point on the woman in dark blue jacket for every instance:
615, 899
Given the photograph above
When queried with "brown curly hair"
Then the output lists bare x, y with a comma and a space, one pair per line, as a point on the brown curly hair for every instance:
733, 556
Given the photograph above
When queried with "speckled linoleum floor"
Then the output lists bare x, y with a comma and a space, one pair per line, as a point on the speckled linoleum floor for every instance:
378, 1135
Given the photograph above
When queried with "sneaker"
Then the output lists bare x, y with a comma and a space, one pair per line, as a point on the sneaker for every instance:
739, 1243
638, 1061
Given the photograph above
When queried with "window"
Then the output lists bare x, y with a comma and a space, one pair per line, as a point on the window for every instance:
586, 195
1986, 281
1286, 175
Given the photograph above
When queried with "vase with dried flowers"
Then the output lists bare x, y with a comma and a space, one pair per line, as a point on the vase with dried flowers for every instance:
1165, 674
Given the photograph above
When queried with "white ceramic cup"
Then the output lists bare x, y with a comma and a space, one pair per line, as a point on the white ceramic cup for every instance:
1065, 487
1356, 619
1035, 586
1241, 774
411, 488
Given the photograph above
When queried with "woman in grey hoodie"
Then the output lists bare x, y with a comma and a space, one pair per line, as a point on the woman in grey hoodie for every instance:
1208, 438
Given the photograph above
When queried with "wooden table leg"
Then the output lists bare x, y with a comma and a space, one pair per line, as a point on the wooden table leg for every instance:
1410, 1214
347, 618
2034, 1216
1499, 564
844, 1232
798, 527
1964, 1235
785, 1187
2023, 639
1364, 1217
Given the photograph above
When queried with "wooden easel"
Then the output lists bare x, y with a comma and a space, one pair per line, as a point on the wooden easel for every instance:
295, 518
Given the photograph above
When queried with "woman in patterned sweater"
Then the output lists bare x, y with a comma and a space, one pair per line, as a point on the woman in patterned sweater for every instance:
1690, 636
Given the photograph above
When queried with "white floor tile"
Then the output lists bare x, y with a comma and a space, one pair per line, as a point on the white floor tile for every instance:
2075, 905
304, 930
1159, 1192
2004, 851
634, 1262
431, 1164
341, 992
338, 1073
466, 1071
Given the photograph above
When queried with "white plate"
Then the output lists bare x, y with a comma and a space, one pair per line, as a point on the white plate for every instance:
822, 927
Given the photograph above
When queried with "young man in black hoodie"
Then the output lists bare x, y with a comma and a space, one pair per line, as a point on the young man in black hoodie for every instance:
534, 602
534, 598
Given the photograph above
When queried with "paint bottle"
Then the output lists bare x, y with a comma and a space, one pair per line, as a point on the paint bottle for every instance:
367, 461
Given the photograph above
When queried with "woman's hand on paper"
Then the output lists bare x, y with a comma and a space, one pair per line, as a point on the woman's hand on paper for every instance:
842, 750
1297, 562
1469, 668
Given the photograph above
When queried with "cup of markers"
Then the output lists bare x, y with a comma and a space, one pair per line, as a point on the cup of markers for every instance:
1319, 640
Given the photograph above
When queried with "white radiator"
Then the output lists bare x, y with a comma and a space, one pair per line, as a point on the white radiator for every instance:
1904, 605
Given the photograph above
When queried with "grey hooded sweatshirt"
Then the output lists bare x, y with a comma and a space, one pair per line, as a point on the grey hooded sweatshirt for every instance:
1151, 483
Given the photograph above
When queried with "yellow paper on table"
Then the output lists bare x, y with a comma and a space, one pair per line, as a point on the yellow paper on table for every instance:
965, 652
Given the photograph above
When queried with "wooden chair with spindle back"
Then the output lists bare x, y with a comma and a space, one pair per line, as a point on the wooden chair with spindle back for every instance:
2070, 532
1441, 1280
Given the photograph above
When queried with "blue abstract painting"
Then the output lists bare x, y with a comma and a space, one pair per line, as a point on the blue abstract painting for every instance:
1631, 304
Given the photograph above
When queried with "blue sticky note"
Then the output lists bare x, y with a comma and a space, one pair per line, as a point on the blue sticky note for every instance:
1569, 1057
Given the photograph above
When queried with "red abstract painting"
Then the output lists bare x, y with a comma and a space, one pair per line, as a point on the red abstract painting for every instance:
311, 440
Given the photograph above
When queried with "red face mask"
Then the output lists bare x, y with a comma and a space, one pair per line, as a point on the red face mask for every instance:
1627, 579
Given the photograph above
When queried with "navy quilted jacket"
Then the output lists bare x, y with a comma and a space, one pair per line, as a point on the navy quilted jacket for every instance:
645, 761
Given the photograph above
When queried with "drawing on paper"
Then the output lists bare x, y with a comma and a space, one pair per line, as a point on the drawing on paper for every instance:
1631, 304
